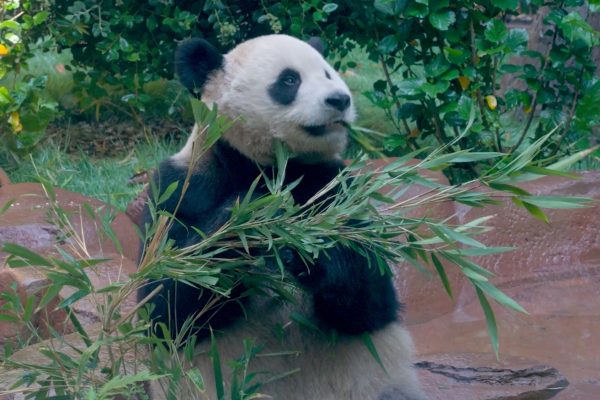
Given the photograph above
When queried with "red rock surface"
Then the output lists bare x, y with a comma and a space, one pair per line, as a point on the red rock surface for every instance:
554, 274
26, 222
469, 376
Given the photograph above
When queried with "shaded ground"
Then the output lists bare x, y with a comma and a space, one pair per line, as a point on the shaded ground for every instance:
115, 136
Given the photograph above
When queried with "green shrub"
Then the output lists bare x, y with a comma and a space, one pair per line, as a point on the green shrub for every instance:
436, 60
25, 109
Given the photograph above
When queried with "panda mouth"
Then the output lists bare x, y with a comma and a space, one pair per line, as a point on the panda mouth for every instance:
322, 130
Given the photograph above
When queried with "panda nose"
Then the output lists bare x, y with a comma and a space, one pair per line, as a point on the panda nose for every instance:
339, 101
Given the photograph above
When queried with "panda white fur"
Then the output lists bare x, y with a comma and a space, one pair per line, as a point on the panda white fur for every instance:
282, 88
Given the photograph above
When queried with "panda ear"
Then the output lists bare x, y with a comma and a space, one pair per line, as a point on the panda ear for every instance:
317, 44
195, 59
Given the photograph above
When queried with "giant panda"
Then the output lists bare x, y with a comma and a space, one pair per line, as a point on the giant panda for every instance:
277, 87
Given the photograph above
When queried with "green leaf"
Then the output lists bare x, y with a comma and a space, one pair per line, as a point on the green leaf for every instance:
31, 257
303, 321
517, 39
478, 252
196, 378
490, 319
574, 28
5, 97
442, 274
498, 295
13, 319
465, 105
433, 89
506, 4
533, 209
40, 17
567, 162
368, 342
457, 236
474, 276
388, 44
216, 360
441, 20
558, 202
73, 298
119, 384
168, 192
472, 156
410, 87
509, 188
390, 7
10, 24
437, 66
495, 31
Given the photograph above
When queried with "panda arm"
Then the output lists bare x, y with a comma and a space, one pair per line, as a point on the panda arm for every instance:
202, 194
204, 208
349, 292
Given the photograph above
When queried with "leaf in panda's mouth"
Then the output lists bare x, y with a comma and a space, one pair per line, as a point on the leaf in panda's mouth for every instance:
321, 130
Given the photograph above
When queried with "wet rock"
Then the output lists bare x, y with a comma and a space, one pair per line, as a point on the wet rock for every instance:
554, 273
71, 345
28, 222
472, 376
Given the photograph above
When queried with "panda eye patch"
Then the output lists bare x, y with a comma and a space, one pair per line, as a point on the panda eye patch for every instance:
284, 90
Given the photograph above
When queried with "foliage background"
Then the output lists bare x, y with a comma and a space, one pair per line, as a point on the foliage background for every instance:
433, 61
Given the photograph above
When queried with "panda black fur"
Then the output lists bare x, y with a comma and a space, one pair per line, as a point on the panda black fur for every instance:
283, 89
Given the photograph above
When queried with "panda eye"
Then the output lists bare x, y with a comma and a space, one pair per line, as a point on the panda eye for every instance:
290, 80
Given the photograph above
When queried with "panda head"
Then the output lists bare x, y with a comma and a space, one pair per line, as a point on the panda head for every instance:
276, 87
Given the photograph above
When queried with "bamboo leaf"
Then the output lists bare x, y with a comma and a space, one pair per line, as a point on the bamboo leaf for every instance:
490, 319
78, 295
568, 162
459, 237
168, 192
216, 361
472, 156
559, 202
31, 257
477, 252
499, 296
533, 209
442, 273
368, 342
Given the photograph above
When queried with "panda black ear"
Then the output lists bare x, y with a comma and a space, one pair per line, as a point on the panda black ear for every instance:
195, 59
317, 44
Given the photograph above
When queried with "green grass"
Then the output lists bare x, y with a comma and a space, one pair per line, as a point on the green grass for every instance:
104, 179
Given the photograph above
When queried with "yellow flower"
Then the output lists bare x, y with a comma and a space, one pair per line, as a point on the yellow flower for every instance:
491, 101
4, 51
15, 122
